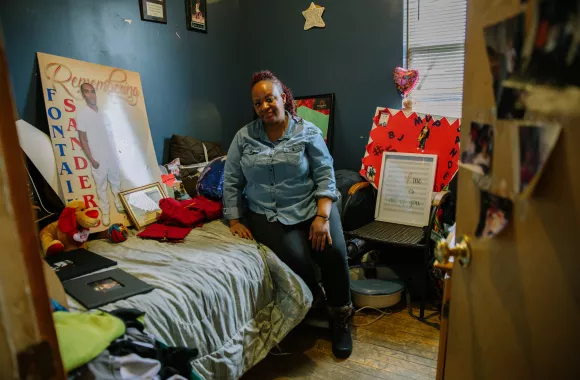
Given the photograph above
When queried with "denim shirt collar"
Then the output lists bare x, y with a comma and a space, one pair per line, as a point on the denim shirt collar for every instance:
259, 131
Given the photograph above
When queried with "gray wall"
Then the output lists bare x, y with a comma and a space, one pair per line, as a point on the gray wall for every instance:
192, 82
354, 57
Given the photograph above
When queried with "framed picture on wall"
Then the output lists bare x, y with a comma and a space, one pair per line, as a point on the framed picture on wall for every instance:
319, 110
196, 11
153, 10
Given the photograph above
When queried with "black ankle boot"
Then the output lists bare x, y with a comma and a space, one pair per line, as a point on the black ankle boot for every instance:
340, 330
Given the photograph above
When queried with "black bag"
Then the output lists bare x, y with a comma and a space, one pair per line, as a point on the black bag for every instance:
191, 151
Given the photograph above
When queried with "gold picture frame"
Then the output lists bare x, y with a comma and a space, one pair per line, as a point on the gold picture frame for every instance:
142, 204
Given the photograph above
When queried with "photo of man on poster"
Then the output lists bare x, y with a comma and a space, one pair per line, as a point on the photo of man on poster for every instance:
98, 144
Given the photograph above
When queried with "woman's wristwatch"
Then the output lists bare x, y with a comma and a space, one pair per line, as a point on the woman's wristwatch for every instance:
326, 218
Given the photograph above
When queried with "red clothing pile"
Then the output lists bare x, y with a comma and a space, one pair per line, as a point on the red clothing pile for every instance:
178, 218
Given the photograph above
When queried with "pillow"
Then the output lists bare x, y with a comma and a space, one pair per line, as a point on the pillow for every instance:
191, 151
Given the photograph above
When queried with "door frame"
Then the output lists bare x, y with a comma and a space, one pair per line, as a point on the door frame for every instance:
27, 333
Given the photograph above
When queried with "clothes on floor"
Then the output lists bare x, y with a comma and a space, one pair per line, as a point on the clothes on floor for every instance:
290, 243
174, 360
55, 306
131, 317
136, 354
130, 367
84, 336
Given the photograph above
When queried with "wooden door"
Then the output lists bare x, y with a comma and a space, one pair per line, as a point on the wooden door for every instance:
515, 311
28, 345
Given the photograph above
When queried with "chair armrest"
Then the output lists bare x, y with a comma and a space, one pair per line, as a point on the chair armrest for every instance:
363, 196
437, 199
357, 187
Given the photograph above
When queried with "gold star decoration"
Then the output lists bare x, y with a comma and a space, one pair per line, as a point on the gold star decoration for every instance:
313, 16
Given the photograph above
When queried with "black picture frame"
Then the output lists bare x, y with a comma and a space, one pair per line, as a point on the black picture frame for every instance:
145, 6
196, 15
102, 288
318, 101
77, 263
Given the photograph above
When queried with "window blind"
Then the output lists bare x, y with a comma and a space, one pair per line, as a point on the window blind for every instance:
434, 44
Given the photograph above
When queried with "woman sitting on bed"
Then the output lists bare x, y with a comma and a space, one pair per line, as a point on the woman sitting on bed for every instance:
286, 170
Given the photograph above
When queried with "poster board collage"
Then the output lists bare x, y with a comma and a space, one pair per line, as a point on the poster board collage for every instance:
532, 56
100, 134
410, 155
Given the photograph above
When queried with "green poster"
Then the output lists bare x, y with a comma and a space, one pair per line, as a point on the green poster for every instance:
316, 118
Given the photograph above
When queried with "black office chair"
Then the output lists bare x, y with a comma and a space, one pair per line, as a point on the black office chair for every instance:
358, 222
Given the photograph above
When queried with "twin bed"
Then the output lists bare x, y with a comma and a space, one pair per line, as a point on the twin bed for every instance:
230, 298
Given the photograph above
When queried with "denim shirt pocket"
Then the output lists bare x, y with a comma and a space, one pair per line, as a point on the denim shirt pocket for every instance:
294, 154
249, 157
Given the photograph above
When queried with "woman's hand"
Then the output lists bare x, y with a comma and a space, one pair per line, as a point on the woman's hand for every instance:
238, 228
320, 233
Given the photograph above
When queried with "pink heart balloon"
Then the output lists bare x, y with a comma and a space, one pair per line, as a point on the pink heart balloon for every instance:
405, 80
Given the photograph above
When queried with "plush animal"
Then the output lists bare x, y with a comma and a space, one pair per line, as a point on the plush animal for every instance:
71, 231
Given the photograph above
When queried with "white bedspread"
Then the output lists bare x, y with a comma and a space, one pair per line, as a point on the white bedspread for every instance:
215, 293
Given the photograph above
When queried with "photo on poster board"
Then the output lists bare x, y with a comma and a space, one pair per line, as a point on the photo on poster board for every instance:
513, 104
319, 110
196, 11
99, 132
494, 216
555, 52
504, 45
539, 46
383, 118
393, 130
404, 195
478, 152
534, 143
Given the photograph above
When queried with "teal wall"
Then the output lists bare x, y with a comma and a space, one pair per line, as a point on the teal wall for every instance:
192, 82
198, 84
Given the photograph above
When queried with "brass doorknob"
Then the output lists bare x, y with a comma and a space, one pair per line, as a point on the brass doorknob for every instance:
461, 252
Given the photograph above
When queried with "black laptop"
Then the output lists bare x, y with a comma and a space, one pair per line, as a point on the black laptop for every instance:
77, 263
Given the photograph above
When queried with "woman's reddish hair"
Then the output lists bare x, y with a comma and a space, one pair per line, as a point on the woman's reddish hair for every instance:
268, 75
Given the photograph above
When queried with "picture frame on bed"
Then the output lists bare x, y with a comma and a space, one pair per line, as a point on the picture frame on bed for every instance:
319, 110
102, 288
142, 204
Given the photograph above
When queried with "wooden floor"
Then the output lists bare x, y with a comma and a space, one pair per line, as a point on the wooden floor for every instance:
395, 347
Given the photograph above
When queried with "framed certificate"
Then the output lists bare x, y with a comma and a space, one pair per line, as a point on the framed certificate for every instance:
405, 188
153, 10
142, 204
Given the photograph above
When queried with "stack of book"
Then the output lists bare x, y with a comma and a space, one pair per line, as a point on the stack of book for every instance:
83, 278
